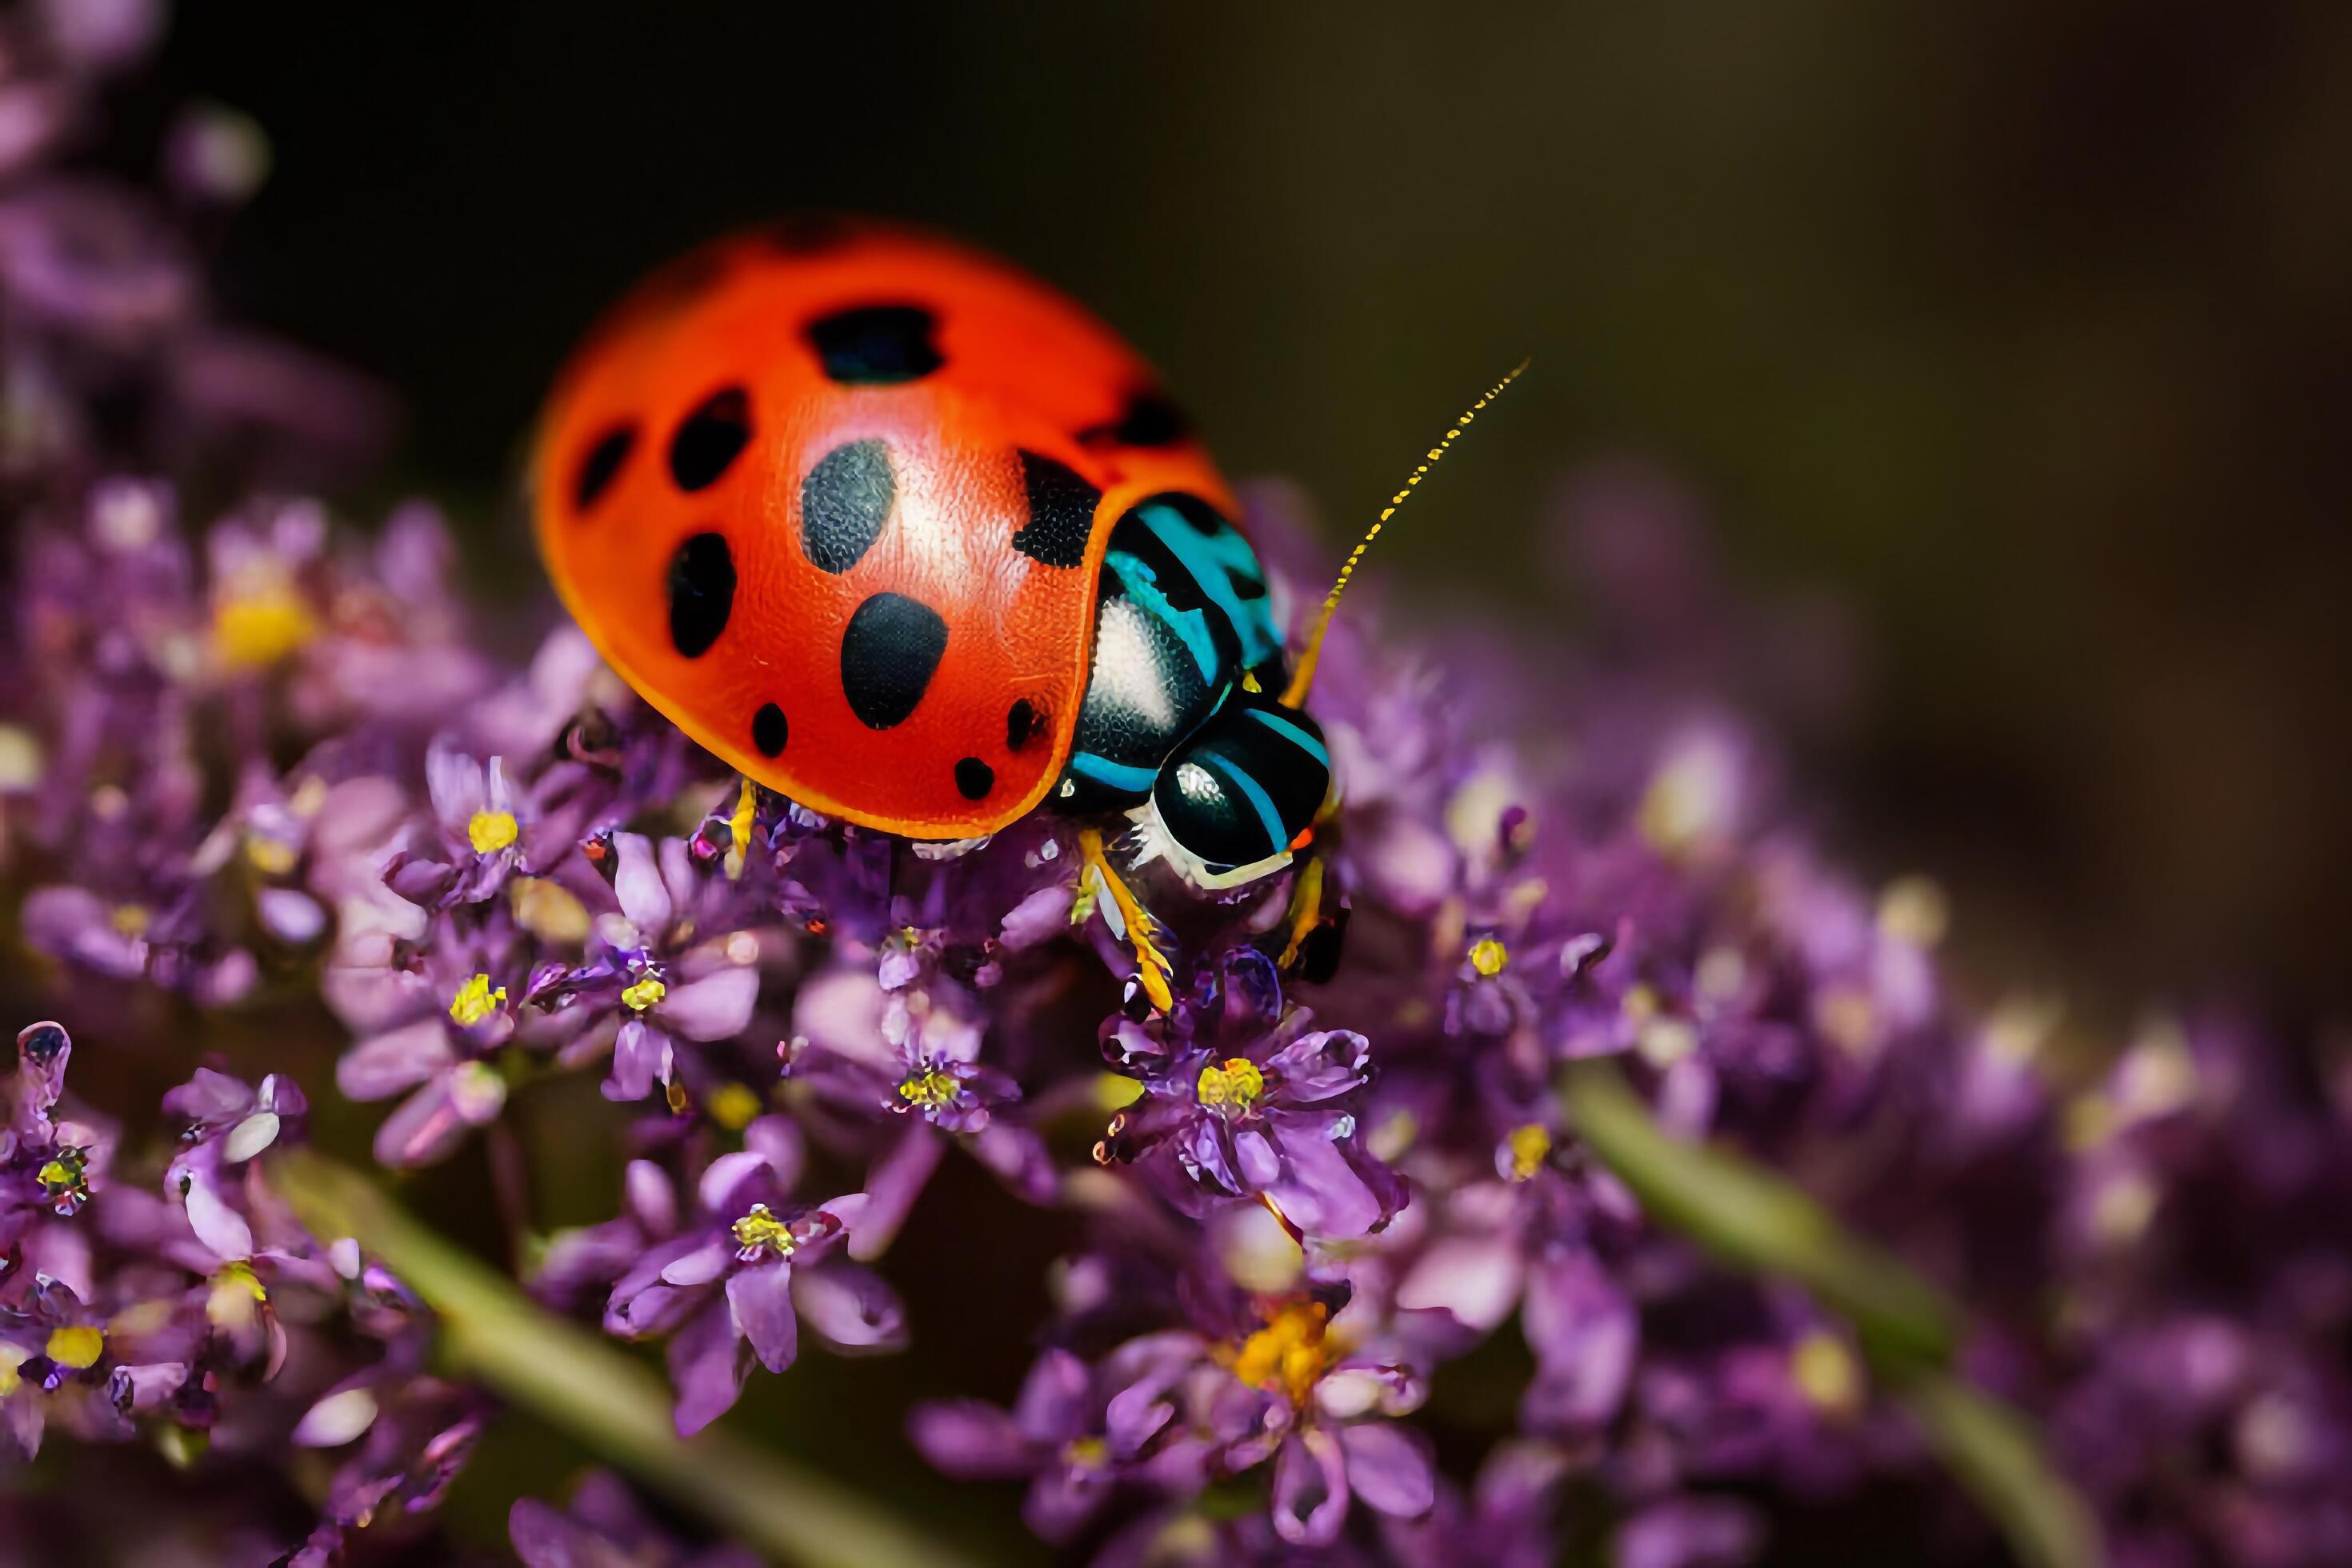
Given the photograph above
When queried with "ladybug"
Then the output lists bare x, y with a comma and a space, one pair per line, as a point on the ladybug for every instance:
909, 538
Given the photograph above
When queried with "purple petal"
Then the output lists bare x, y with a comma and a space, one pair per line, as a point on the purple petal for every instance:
760, 1299
707, 1364
1063, 1499
1019, 1158
382, 1067
697, 1265
1321, 1065
1310, 1489
892, 1187
969, 1440
427, 1126
778, 1140
641, 1054
1474, 1277
637, 883
716, 1008
1689, 1532
1390, 1467
841, 1010
1053, 1404
218, 1226
1584, 1331
732, 1183
542, 1537
1320, 1190
851, 1307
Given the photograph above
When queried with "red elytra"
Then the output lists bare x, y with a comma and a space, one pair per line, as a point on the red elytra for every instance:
876, 426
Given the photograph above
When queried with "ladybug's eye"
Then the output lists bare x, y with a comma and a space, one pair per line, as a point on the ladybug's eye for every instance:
1245, 786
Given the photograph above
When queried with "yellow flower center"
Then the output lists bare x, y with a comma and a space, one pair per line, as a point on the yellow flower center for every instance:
475, 1001
254, 629
11, 1357
1235, 1083
77, 1347
927, 1087
1085, 1453
130, 920
1824, 1372
1530, 1146
732, 1106
1487, 956
1290, 1354
643, 994
761, 1231
65, 1177
491, 831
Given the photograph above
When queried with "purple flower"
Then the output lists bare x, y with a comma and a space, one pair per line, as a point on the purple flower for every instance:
728, 1289
1078, 1433
604, 1522
1260, 1123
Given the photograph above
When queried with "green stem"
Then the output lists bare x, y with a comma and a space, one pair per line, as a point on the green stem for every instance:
574, 1380
1754, 1220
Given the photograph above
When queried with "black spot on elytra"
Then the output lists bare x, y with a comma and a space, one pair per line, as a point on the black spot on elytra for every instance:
974, 778
1061, 512
707, 443
602, 464
1020, 724
769, 731
876, 346
1147, 419
889, 654
845, 501
701, 593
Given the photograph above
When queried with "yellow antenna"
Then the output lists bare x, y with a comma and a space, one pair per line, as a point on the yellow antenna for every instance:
1295, 695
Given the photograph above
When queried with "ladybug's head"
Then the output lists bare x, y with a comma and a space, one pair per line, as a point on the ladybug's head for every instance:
1240, 794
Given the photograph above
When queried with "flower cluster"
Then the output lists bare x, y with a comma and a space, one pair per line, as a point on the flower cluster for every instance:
269, 780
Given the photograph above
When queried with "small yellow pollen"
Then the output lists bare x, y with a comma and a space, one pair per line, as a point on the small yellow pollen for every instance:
491, 831
130, 920
732, 1106
1530, 1146
761, 1231
255, 629
1824, 1372
1290, 1354
240, 1276
270, 856
1487, 956
475, 1001
643, 994
11, 1357
77, 1347
1085, 1453
739, 829
1236, 1083
927, 1087
548, 910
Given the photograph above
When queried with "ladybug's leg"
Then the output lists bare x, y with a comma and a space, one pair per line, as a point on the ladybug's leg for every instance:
1130, 919
1306, 911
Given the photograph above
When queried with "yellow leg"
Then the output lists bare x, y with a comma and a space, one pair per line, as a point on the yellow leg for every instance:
1306, 908
1141, 930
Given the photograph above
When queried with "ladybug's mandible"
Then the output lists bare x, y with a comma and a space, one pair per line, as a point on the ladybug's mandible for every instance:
909, 538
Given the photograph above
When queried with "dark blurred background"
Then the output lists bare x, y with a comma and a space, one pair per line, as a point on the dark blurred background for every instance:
2023, 329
